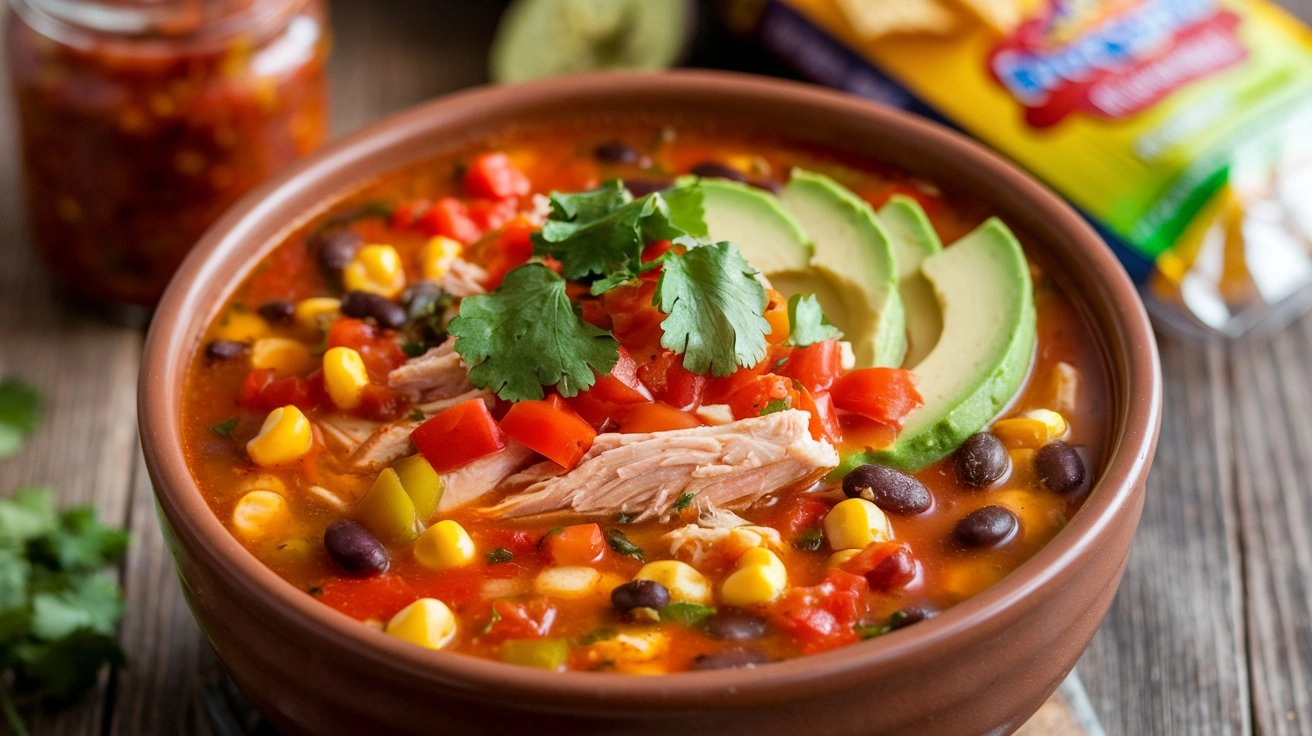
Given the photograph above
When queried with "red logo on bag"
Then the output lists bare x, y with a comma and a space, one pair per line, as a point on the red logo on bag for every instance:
1113, 58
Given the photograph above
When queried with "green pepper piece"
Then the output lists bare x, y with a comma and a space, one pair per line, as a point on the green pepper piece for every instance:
422, 484
387, 511
547, 654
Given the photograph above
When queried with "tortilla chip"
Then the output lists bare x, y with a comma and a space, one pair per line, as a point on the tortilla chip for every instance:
874, 18
1001, 15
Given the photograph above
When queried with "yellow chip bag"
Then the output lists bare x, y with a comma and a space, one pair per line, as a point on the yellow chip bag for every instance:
1182, 128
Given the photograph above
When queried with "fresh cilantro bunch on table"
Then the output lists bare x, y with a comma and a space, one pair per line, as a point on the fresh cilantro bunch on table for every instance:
528, 334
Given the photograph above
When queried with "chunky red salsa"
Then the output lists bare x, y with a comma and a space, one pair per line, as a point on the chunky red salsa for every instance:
568, 400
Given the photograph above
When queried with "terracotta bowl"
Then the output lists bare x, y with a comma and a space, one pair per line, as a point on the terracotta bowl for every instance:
981, 667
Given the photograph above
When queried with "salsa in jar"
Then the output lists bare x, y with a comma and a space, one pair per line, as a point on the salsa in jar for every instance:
142, 121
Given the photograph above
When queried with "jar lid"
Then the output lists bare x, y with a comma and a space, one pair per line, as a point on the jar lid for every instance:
162, 20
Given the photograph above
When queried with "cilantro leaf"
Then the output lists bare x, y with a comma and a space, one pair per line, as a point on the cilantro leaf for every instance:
685, 613
686, 213
20, 414
83, 544
28, 515
776, 405
225, 427
683, 502
90, 602
526, 335
715, 307
808, 325
621, 544
65, 667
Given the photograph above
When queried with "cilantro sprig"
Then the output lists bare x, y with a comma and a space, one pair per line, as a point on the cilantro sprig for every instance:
58, 613
528, 334
808, 324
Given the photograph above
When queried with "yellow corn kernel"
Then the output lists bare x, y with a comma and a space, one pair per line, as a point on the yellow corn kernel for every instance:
344, 377
753, 584
427, 622
761, 556
377, 269
286, 357
242, 327
437, 256
841, 557
260, 514
316, 313
629, 648
1032, 429
683, 581
855, 523
571, 582
265, 482
444, 545
284, 438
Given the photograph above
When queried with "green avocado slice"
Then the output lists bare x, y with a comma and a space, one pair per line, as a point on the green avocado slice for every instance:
855, 259
914, 240
768, 237
546, 38
983, 356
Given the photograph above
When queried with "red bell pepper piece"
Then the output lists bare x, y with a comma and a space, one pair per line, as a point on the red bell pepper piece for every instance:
458, 436
450, 217
551, 428
492, 175
654, 417
886, 395
670, 382
814, 366
759, 396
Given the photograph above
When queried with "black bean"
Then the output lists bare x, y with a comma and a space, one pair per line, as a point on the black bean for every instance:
643, 187
731, 624
892, 572
888, 488
717, 170
366, 304
640, 594
615, 152
278, 311
910, 615
1059, 467
354, 549
224, 349
731, 658
986, 527
335, 248
981, 460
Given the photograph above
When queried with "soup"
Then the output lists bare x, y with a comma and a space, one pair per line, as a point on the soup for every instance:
574, 400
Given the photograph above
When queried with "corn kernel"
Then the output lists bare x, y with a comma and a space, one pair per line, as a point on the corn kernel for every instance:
841, 557
683, 581
286, 357
242, 327
1032, 429
437, 256
762, 556
444, 545
284, 438
377, 269
316, 313
260, 514
265, 482
750, 585
344, 377
630, 648
855, 523
427, 622
571, 582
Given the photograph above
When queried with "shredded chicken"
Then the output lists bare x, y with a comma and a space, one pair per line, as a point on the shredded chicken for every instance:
471, 482
437, 374
463, 279
719, 532
728, 466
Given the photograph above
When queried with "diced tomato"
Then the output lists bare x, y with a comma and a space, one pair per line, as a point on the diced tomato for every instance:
461, 588
594, 411
550, 428
824, 420
493, 175
381, 403
579, 544
621, 385
519, 542
490, 214
262, 390
530, 619
822, 616
378, 597
757, 396
458, 436
814, 366
654, 417
635, 322
720, 388
885, 395
670, 382
450, 217
655, 249
510, 247
377, 347
797, 513
408, 213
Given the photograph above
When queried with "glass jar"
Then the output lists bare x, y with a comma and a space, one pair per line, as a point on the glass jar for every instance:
142, 120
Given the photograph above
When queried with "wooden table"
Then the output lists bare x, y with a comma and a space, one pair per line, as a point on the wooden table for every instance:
1209, 634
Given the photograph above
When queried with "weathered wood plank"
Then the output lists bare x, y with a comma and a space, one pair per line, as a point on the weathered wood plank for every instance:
1272, 399
1170, 657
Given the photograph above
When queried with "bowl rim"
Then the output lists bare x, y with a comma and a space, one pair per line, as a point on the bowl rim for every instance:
176, 329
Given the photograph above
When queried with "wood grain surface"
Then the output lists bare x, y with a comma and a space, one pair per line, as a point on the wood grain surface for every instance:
1210, 632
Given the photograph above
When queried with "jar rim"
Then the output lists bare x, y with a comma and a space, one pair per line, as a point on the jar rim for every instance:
167, 22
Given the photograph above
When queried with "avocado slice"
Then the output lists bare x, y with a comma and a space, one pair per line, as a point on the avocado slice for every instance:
853, 272
767, 236
987, 301
914, 240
